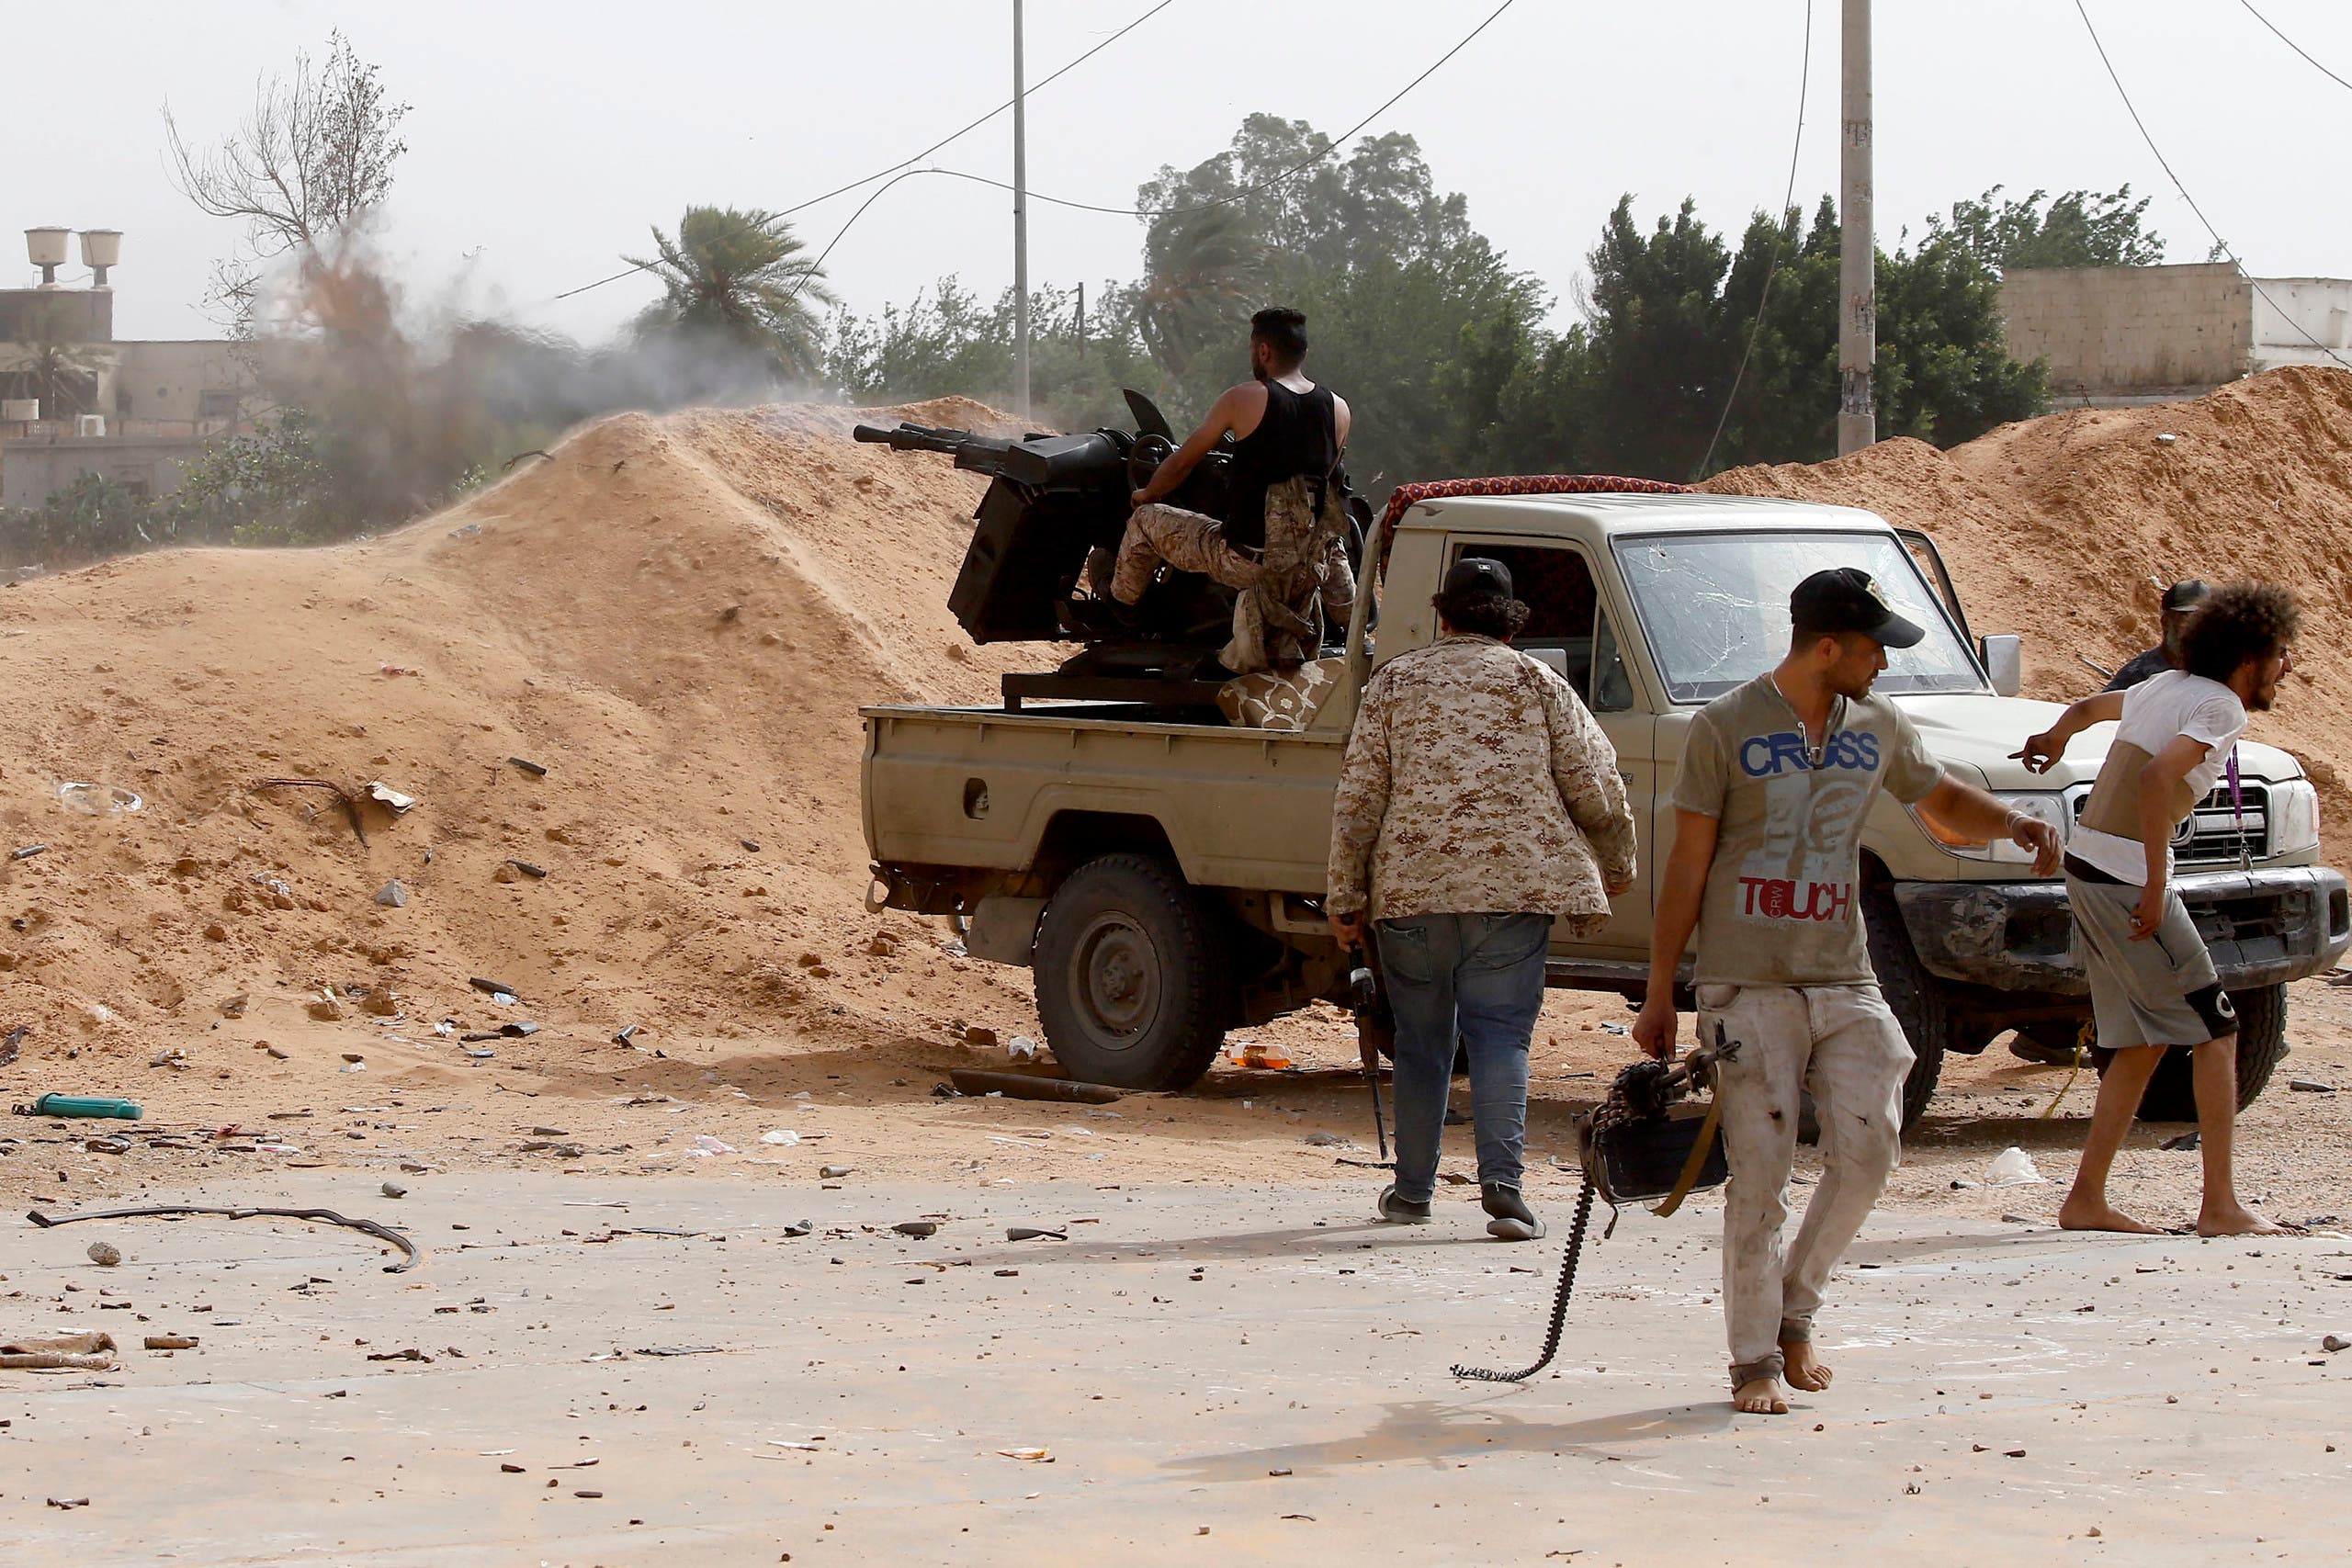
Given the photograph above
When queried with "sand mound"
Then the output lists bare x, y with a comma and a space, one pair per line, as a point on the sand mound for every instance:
2050, 525
678, 616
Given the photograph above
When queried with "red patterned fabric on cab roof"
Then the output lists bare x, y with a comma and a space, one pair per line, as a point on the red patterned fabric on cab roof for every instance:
1404, 496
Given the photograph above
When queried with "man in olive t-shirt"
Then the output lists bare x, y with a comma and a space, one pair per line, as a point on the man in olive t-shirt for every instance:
1777, 778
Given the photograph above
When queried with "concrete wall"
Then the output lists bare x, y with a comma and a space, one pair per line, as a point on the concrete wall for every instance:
2298, 311
32, 470
87, 314
2126, 332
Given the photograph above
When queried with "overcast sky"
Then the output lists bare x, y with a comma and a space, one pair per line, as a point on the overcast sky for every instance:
546, 137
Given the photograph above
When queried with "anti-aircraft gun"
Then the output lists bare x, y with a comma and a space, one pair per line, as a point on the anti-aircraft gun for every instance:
1051, 501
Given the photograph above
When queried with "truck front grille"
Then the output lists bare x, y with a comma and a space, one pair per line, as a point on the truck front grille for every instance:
2219, 831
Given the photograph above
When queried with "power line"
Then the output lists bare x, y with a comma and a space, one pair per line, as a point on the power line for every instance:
2291, 43
2219, 244
1787, 201
809, 275
879, 173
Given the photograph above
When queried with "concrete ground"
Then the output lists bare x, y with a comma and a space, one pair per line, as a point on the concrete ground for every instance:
1217, 1375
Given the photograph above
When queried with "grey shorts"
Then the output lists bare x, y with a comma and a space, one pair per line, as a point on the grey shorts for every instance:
2162, 991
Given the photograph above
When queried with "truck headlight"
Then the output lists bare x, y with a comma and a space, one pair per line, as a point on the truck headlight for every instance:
2294, 816
2042, 805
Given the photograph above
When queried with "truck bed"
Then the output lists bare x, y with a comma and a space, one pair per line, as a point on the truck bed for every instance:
983, 788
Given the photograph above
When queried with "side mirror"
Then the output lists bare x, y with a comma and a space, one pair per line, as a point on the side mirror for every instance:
2004, 658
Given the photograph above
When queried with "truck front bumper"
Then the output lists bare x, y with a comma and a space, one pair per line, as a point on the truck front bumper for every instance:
2262, 926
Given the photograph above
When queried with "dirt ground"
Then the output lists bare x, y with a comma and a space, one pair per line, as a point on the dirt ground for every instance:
417, 1104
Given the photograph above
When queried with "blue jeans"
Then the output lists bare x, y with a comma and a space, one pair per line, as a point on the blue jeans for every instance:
1477, 979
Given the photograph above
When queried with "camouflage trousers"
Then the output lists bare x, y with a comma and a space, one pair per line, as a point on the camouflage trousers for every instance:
1274, 617
1189, 541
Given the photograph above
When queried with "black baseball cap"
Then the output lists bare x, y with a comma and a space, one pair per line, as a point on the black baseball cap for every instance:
1846, 599
1474, 575
2185, 594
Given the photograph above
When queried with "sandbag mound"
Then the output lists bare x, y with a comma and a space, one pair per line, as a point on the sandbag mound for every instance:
677, 617
2052, 526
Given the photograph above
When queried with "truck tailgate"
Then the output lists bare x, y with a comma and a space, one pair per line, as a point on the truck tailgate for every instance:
979, 787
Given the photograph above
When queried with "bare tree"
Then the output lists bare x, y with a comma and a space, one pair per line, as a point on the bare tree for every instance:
307, 164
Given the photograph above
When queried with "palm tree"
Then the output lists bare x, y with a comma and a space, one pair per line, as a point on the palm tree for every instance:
1202, 271
57, 367
740, 277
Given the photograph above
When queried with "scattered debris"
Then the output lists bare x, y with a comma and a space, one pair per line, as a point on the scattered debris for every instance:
326, 1009
916, 1227
392, 894
2335, 1342
980, 1036
385, 795
494, 988
1037, 1456
171, 1342
537, 872
783, 1135
1032, 1233
99, 1106
2184, 1142
104, 1254
393, 1190
682, 1351
749, 845
800, 1227
2013, 1168
411, 1354
705, 1145
99, 800
175, 1058
626, 1034
1323, 1140
350, 803
519, 1030
1021, 1086
833, 1172
27, 852
2310, 1085
235, 1006
69, 1502
327, 1216
63, 1352
536, 769
15, 1038
1020, 1048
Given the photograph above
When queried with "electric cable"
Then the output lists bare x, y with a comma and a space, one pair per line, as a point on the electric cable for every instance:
1764, 297
809, 273
2219, 244
2291, 43
1336, 144
901, 164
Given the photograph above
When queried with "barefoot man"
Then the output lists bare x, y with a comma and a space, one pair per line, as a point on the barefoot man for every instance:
1777, 777
2152, 984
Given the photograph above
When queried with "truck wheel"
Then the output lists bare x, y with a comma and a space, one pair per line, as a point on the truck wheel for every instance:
2262, 1045
1913, 997
1131, 975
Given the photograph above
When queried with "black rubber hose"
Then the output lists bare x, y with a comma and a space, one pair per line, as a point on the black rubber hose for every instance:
1559, 1300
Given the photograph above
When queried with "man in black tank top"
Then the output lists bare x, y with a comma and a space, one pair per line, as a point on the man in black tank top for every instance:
1285, 428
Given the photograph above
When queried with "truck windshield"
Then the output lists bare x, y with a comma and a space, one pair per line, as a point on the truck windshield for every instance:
1716, 607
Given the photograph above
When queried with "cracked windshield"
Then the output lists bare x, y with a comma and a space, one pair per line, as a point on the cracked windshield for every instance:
1716, 607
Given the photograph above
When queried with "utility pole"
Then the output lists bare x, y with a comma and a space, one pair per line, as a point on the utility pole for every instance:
1857, 246
1020, 228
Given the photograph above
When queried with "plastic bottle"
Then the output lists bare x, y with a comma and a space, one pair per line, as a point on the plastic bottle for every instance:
84, 1105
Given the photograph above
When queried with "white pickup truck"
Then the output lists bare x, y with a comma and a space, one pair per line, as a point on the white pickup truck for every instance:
1161, 874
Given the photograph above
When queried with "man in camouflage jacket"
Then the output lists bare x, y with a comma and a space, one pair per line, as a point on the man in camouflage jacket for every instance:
1477, 802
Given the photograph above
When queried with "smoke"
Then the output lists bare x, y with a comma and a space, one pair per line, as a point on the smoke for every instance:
405, 398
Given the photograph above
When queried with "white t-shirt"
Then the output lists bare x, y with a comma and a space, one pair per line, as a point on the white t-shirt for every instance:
2161, 708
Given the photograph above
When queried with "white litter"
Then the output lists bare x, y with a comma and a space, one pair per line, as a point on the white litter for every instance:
2013, 1168
780, 1135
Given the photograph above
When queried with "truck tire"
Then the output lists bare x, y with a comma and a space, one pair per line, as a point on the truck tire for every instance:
1911, 995
2262, 1045
1132, 975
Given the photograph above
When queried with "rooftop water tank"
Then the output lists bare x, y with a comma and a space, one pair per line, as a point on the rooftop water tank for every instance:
46, 246
101, 249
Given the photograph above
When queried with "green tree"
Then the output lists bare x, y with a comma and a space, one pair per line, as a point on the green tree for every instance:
2079, 228
737, 281
1671, 316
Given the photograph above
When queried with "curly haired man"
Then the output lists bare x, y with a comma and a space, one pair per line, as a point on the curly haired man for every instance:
2152, 984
